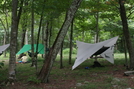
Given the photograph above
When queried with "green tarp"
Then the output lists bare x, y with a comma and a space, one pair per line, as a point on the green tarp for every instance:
27, 47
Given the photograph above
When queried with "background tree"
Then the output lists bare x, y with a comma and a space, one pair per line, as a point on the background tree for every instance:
126, 33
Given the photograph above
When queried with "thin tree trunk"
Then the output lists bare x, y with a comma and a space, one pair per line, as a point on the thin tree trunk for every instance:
61, 55
97, 31
46, 40
38, 39
22, 41
43, 36
125, 52
45, 71
50, 33
24, 30
126, 33
5, 36
97, 28
26, 38
71, 43
32, 36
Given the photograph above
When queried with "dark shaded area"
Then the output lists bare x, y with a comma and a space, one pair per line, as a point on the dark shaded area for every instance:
30, 54
1, 53
101, 50
96, 64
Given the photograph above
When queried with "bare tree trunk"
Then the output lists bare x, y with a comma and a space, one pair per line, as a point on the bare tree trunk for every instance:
97, 28
46, 39
97, 31
24, 30
13, 42
32, 36
22, 41
126, 33
125, 52
50, 32
26, 38
61, 55
71, 43
44, 73
38, 36
43, 36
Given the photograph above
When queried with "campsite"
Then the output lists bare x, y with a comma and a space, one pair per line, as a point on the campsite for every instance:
70, 44
108, 77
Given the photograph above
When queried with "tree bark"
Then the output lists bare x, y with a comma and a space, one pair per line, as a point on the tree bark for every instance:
61, 56
97, 28
46, 39
24, 29
13, 42
44, 73
126, 33
71, 43
32, 35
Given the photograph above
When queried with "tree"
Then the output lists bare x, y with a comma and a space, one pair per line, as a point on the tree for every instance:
32, 35
24, 27
44, 73
71, 43
126, 33
13, 42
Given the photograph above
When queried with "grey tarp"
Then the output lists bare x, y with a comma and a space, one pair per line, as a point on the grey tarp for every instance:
86, 50
3, 48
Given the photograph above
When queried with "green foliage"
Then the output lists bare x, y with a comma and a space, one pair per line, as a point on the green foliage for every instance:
1, 64
67, 50
34, 80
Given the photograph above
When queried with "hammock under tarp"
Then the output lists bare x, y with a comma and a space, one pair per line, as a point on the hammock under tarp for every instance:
28, 47
3, 48
86, 51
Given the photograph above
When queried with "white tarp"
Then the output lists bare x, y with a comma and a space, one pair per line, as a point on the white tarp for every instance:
3, 48
86, 50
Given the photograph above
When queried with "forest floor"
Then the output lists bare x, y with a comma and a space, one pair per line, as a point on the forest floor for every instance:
108, 77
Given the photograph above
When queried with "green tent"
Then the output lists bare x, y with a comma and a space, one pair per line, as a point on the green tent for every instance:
28, 47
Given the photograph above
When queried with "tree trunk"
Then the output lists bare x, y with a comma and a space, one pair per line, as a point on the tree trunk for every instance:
23, 40
46, 40
32, 35
38, 36
50, 32
13, 42
97, 28
44, 73
97, 31
125, 52
26, 38
24, 30
126, 33
71, 45
43, 36
61, 55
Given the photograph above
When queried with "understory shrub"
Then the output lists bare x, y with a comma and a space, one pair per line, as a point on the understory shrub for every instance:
67, 50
